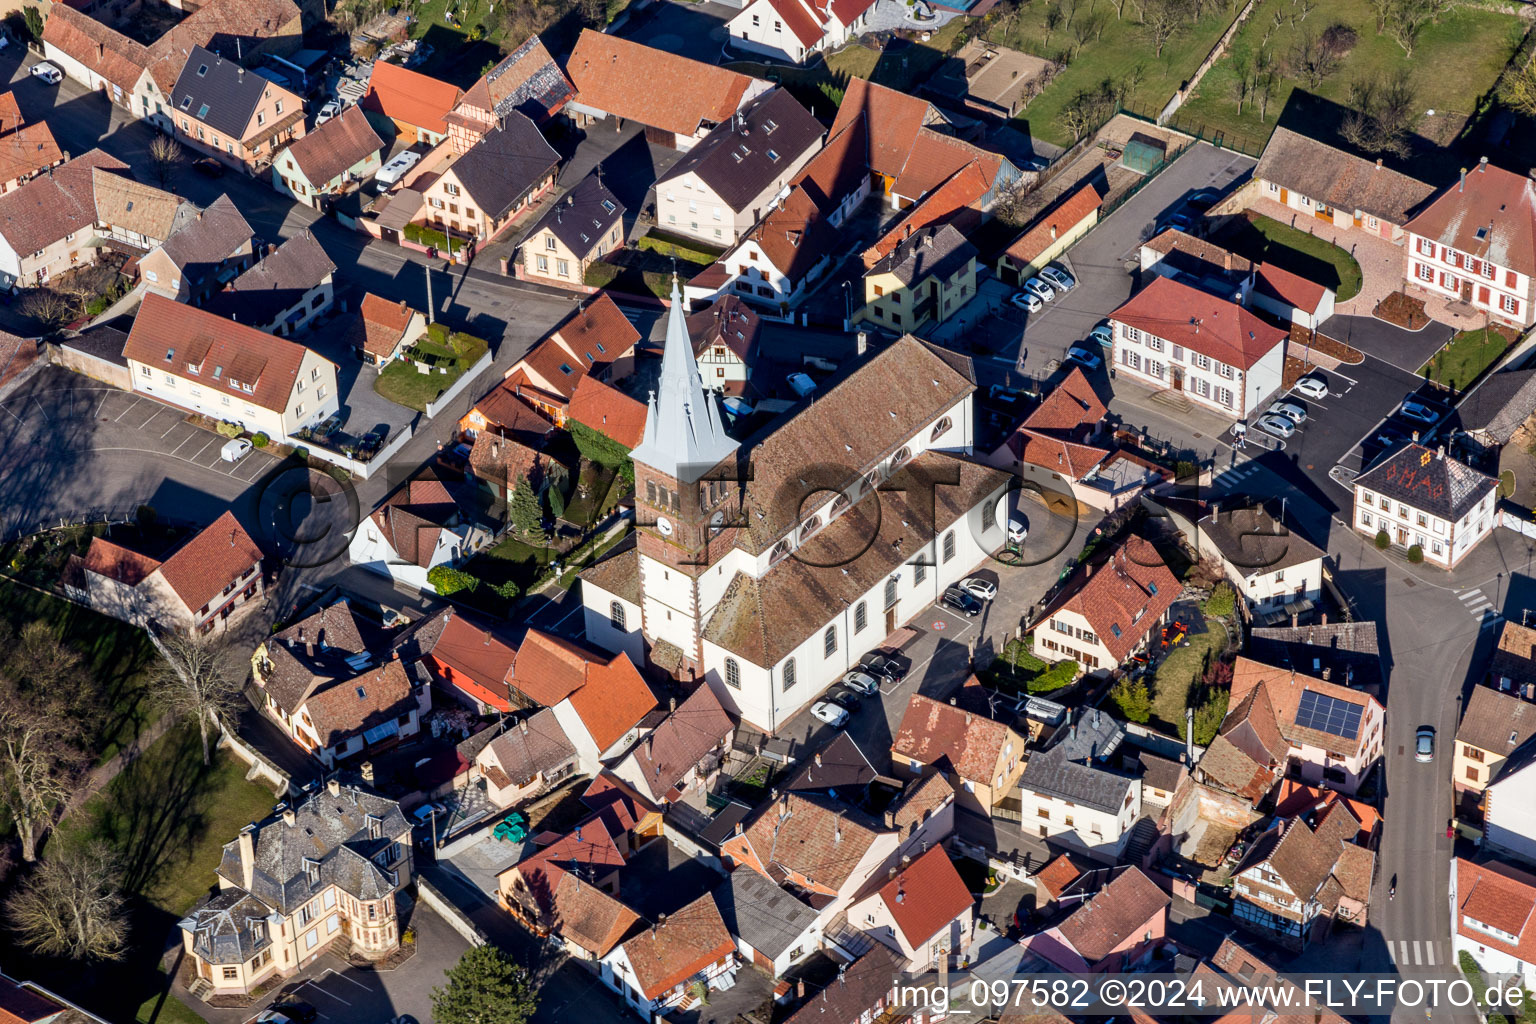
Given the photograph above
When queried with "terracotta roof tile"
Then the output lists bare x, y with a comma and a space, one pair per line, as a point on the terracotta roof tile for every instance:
599, 332
1496, 722
99, 47
1501, 896
1342, 180
132, 205
383, 323
956, 202
1492, 216
27, 150
1057, 875
613, 700
536, 744
10, 113
1118, 913
527, 80
1284, 688
513, 417
1122, 597
659, 89
920, 800
327, 152
936, 157
210, 561
1058, 221
674, 747
932, 732
1289, 288
476, 651
925, 896
549, 668
117, 562
893, 119
814, 837
667, 954
840, 166
401, 94
1200, 321
51, 206
348, 706
588, 916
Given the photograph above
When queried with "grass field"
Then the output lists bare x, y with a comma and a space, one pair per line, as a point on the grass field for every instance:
1124, 46
1262, 238
1175, 676
401, 383
1465, 356
1454, 63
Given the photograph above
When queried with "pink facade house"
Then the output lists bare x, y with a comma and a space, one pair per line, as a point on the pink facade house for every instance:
1114, 930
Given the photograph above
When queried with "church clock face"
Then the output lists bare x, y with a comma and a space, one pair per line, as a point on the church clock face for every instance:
664, 525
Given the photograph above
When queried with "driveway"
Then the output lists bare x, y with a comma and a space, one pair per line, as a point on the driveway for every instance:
692, 30
1381, 262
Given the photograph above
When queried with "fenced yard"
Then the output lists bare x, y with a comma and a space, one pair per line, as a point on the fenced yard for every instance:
444, 356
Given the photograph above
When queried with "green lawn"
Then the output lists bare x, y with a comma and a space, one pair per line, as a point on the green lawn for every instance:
508, 561
1261, 238
1465, 356
1454, 63
401, 383
1177, 673
1122, 50
590, 494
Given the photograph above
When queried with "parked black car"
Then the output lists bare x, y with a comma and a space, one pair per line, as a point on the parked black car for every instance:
888, 664
958, 600
208, 167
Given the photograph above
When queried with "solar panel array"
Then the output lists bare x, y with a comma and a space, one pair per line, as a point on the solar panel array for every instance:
1328, 714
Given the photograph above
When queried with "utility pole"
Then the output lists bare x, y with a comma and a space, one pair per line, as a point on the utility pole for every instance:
430, 309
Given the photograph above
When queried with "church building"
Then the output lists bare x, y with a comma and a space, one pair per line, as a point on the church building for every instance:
768, 567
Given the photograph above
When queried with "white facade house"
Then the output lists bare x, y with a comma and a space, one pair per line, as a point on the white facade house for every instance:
793, 30
1268, 564
416, 529
1494, 907
1509, 805
1085, 805
1214, 352
1421, 498
1108, 609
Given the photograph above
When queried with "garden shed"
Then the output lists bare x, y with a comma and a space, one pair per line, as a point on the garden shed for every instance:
1143, 153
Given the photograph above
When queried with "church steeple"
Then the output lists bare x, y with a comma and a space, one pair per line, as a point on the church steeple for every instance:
684, 438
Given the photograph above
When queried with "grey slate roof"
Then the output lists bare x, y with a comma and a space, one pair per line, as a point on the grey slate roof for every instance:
262, 295
1160, 772
1254, 541
1428, 481
1092, 736
505, 165
928, 252
582, 217
1499, 404
104, 341
218, 92
1342, 180
838, 765
742, 157
1054, 774
1346, 651
201, 239
760, 913
228, 927
332, 829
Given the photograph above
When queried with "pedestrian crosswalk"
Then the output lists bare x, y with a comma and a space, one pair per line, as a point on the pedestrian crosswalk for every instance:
1478, 606
1237, 474
1417, 952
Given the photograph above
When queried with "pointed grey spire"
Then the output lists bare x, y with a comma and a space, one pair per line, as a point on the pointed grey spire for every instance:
684, 437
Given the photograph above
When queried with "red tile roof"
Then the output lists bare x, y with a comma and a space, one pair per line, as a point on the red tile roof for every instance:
795, 235
1117, 914
549, 668
475, 651
116, 562
409, 96
502, 408
935, 157
51, 206
203, 566
1050, 226
1116, 596
1200, 322
957, 201
608, 411
226, 352
10, 113
27, 149
613, 700
893, 119
668, 954
1290, 288
932, 731
599, 332
100, 48
926, 896
1491, 215
1057, 875
1071, 404
326, 153
383, 322
1065, 457
1284, 688
805, 25
23, 1006
841, 165
348, 706
670, 752
1501, 896
659, 89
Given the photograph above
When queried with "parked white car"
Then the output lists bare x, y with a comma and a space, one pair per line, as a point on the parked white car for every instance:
1060, 279
1040, 288
1086, 359
984, 590
830, 713
1290, 410
48, 72
1017, 530
1312, 387
1103, 334
1026, 301
330, 110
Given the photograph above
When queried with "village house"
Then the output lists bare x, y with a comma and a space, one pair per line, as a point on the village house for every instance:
1295, 880
794, 30
468, 658
230, 372
1268, 564
1160, 778
409, 105
725, 342
683, 753
864, 989
205, 250
526, 81
1053, 879
821, 846
597, 340
1345, 652
1115, 929
1495, 908
678, 100
284, 292
1210, 350
329, 161
321, 874
774, 928
1347, 191
723, 185
1199, 263
525, 760
383, 330
930, 275
1073, 791
568, 893
501, 464
1476, 242
1291, 297
1498, 718
1050, 235
921, 908
213, 577
1509, 804
985, 756
47, 224
577, 230
778, 262
1109, 610
502, 411
1496, 407
26, 150
131, 216
419, 527
601, 702
607, 411
657, 968
479, 193
237, 116
1426, 500
1249, 755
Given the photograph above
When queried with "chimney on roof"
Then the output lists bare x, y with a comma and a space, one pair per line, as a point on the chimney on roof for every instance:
523, 725
672, 704
333, 786
1378, 161
1415, 437
247, 854
1327, 673
818, 759
1440, 452
1053, 232
289, 817
648, 745
1462, 187
738, 829
1325, 622
890, 819
890, 872
1482, 165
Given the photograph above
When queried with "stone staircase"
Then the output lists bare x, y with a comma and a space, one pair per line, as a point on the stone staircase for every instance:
1172, 399
1143, 834
202, 988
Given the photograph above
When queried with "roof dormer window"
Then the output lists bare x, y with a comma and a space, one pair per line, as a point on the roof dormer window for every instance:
608, 206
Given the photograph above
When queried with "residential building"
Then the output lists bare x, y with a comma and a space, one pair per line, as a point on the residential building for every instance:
26, 150
1108, 610
656, 969
1211, 350
778, 262
1335, 734
1283, 1001
1509, 803
1160, 778
414, 105
1050, 234
773, 927
236, 116
419, 527
1248, 755
1267, 563
678, 100
205, 250
1495, 909
132, 216
597, 340
197, 588
526, 81
1512, 669
1295, 799
921, 909
479, 193
23, 1003
1115, 929
284, 292
1336, 187
1345, 652
606, 707
606, 410
1295, 880
525, 760
319, 875
383, 330
985, 756
1495, 408
704, 597
722, 186
332, 688
1198, 262
683, 753
865, 988
796, 30
330, 161
1423, 499
503, 411
1291, 297
926, 278
577, 910
1476, 242
725, 342
500, 464
194, 359
468, 658
1073, 792
577, 230
46, 225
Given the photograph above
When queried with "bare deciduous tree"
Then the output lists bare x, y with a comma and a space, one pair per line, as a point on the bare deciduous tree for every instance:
195, 684
1311, 61
50, 308
1383, 116
1518, 89
1052, 20
1407, 20
72, 906
165, 159
1163, 18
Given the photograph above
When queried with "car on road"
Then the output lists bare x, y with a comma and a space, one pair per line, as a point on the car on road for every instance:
1202, 200
982, 590
48, 72
1104, 335
961, 601
1040, 288
860, 681
296, 1011
208, 167
330, 110
1084, 358
886, 664
830, 713
423, 814
1179, 222
1276, 425
1018, 529
235, 449
1292, 411
1027, 302
1424, 744
1059, 278
1314, 388
1421, 412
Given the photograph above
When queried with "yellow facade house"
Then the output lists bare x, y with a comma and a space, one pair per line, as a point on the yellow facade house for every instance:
928, 276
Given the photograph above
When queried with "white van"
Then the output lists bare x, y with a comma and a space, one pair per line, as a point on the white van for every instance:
235, 449
395, 169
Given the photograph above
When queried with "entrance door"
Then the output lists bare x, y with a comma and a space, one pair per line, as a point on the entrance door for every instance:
890, 620
1402, 537
1285, 196
1177, 376
1466, 291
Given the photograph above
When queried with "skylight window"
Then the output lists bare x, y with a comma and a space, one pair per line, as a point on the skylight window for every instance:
608, 206
361, 693
1482, 233
218, 371
169, 354
774, 156
768, 126
202, 111
1115, 629
1153, 588
202, 69
565, 368
130, 206
600, 347
186, 102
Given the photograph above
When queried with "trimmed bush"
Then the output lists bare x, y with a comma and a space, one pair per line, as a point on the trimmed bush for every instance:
1054, 678
1415, 554
448, 580
227, 429
1222, 601
260, 439
1383, 541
